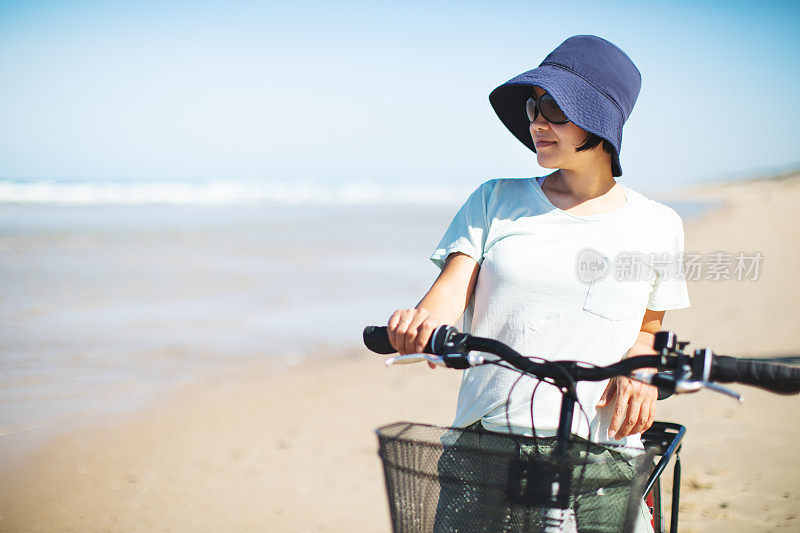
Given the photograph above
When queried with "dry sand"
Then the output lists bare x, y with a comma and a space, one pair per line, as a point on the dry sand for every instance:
294, 450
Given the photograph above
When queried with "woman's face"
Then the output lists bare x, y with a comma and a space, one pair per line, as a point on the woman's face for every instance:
556, 143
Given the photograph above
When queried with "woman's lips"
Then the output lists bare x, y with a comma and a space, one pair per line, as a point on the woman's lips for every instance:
543, 144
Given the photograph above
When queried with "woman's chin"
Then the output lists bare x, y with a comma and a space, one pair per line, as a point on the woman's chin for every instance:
546, 162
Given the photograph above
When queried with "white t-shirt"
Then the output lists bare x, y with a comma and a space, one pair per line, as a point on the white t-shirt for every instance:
541, 291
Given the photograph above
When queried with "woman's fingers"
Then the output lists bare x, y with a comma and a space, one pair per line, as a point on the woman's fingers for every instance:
626, 409
648, 395
641, 419
648, 410
652, 417
634, 410
401, 331
608, 393
390, 327
410, 329
620, 407
396, 337
629, 421
424, 332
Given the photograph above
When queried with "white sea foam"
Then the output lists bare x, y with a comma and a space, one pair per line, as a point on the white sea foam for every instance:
219, 192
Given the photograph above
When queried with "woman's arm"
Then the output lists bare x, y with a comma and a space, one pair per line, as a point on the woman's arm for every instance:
410, 329
634, 401
651, 324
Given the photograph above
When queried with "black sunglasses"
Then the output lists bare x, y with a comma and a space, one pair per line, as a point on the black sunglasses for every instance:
549, 108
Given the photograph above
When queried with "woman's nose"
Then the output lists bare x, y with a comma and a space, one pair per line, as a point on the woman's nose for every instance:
540, 122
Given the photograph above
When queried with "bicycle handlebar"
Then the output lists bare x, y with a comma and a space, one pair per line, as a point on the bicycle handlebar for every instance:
780, 379
703, 367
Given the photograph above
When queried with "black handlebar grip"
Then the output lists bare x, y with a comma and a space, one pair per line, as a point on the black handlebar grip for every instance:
376, 338
775, 378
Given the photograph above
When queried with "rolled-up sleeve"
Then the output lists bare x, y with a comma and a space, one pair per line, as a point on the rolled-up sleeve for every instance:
467, 232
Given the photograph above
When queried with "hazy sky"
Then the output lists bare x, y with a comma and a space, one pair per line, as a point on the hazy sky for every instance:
376, 90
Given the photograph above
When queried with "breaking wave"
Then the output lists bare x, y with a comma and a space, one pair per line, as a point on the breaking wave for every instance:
224, 192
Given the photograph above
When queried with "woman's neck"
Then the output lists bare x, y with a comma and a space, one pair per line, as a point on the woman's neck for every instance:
580, 185
580, 195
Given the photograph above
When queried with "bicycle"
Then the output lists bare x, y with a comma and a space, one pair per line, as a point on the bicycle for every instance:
547, 484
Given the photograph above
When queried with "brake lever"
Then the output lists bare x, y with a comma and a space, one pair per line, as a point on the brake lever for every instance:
722, 390
455, 360
687, 385
683, 386
415, 358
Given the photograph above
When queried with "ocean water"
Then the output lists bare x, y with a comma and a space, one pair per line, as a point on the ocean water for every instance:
111, 293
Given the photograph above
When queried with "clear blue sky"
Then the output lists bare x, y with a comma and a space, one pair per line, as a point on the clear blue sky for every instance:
376, 90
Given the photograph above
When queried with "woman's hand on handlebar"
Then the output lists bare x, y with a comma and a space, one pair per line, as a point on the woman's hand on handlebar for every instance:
410, 329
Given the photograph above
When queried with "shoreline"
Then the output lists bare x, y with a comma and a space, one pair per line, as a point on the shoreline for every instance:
290, 450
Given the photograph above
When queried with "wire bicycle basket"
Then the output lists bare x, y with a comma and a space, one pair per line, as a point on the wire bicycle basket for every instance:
446, 479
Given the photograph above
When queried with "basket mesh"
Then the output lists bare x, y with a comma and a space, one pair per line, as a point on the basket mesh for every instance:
448, 479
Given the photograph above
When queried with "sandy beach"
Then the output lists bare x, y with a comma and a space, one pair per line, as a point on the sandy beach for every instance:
293, 449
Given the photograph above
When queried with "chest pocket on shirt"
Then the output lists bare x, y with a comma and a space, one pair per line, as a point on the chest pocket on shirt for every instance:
616, 299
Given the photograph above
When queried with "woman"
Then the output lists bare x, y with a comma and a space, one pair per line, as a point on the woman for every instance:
571, 265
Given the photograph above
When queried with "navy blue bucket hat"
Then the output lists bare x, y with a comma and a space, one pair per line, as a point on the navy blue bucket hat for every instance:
594, 82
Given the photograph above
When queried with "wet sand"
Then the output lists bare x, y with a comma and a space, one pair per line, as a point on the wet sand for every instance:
293, 449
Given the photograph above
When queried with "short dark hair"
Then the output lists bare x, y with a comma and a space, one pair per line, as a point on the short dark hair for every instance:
592, 141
